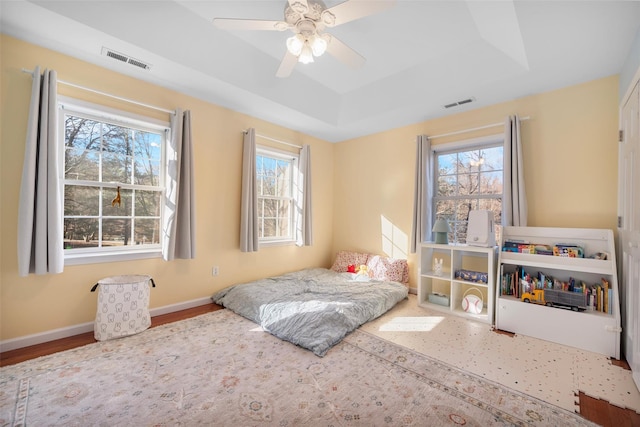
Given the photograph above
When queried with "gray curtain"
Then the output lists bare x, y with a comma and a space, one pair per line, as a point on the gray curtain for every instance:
249, 201
40, 237
423, 193
514, 206
304, 229
179, 210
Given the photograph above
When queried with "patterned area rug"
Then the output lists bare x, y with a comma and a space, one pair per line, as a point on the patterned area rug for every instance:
221, 369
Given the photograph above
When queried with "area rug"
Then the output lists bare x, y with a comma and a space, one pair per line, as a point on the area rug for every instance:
221, 369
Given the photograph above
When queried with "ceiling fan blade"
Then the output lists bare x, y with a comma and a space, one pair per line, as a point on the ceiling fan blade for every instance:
351, 10
344, 53
287, 65
249, 24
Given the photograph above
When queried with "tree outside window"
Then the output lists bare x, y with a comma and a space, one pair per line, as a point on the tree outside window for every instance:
101, 160
466, 180
274, 173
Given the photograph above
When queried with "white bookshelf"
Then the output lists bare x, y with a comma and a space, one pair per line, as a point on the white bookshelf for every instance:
457, 257
589, 330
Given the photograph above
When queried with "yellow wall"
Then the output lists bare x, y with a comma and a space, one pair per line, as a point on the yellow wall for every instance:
570, 162
363, 188
36, 304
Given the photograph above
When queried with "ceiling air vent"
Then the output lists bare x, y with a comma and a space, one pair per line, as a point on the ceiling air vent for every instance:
125, 58
455, 104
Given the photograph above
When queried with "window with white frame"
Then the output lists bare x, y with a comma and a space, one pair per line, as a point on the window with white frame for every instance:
113, 165
468, 177
275, 172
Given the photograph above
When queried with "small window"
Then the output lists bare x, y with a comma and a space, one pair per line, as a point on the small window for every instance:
468, 179
275, 172
113, 183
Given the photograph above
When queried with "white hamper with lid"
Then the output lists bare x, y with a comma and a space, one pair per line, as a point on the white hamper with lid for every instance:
123, 306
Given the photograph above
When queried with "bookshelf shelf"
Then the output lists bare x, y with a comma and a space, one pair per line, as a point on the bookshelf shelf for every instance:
592, 330
457, 257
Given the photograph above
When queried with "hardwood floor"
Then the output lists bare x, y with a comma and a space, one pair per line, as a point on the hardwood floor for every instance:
21, 354
596, 410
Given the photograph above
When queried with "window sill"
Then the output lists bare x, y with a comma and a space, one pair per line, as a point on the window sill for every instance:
95, 258
268, 243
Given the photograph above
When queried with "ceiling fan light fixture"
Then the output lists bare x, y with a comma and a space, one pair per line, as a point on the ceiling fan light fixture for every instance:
306, 55
295, 44
318, 45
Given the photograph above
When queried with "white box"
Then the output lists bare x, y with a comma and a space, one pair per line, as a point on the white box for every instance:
123, 306
480, 230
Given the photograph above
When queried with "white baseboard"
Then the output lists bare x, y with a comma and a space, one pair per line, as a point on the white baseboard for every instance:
69, 331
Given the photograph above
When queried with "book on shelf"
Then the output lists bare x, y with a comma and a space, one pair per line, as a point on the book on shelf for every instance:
598, 297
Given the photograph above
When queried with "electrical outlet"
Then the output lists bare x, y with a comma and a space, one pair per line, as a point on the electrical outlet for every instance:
215, 271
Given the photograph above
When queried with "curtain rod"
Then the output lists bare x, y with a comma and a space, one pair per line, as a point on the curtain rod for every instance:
473, 129
276, 140
131, 101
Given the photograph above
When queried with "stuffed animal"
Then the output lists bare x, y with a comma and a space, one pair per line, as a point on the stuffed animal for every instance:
437, 266
116, 200
362, 270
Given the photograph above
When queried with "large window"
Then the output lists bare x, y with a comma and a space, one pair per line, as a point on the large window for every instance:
275, 173
466, 179
113, 182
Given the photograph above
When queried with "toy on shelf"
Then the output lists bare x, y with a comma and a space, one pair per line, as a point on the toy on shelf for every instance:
576, 301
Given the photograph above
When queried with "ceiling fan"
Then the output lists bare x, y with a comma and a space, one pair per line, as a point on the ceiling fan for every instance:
307, 19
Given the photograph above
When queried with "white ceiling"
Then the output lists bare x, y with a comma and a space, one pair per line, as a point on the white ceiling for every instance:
420, 55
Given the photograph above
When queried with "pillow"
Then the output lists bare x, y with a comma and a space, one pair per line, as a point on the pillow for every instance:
346, 258
385, 268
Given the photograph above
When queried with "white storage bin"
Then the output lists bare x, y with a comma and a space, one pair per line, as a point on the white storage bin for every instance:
123, 306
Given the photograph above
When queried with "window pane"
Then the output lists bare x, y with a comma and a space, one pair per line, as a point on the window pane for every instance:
269, 227
492, 159
283, 189
268, 186
82, 147
147, 158
147, 172
147, 145
81, 201
81, 133
447, 164
147, 203
82, 164
468, 184
270, 208
147, 231
491, 182
116, 168
117, 139
81, 233
109, 205
469, 161
445, 209
284, 218
446, 185
116, 232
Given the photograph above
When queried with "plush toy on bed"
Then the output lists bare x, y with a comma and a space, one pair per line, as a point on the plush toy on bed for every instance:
362, 273
362, 270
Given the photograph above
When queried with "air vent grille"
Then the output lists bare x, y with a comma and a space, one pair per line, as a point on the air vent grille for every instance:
457, 103
125, 58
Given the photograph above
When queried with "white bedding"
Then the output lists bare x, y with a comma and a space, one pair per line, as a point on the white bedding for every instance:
313, 308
